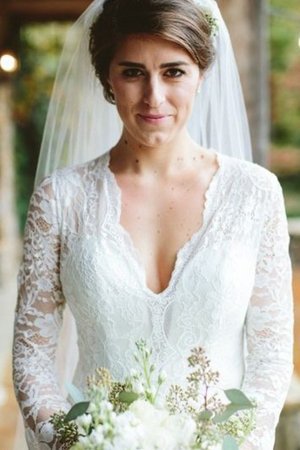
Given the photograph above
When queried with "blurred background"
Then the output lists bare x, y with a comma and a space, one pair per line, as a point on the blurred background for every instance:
266, 39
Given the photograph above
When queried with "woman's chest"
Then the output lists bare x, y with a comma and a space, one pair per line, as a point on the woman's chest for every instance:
211, 286
159, 220
113, 259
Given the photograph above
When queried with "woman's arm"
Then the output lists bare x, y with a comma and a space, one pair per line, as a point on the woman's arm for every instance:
269, 325
38, 320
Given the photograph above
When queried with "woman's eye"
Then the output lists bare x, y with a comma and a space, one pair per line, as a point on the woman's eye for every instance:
175, 73
132, 73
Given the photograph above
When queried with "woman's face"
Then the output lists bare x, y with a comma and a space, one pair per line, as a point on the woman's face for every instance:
154, 83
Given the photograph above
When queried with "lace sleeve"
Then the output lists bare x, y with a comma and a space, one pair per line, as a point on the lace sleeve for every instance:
38, 320
269, 325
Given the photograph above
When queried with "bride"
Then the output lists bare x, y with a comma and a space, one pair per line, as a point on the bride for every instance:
168, 234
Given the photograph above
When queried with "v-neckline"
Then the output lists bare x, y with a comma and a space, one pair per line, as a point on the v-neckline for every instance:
115, 192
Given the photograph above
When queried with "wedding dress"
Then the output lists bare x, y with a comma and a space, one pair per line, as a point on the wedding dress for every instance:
230, 291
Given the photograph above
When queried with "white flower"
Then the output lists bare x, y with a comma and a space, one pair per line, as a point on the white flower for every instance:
106, 428
96, 436
144, 411
138, 387
188, 428
83, 441
93, 408
128, 433
160, 429
106, 405
133, 373
84, 421
182, 428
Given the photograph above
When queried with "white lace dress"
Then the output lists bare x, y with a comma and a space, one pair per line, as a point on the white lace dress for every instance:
230, 291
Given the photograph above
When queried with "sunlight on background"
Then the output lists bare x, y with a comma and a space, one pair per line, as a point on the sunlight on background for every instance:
8, 63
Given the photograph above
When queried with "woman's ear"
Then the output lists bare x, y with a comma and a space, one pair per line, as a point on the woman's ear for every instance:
109, 88
110, 91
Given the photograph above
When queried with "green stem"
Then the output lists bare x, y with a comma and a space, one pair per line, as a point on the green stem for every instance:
146, 369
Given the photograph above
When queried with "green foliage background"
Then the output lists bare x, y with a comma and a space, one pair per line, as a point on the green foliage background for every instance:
285, 67
285, 90
40, 47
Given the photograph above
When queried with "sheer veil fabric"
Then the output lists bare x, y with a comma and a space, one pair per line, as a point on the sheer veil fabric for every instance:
82, 125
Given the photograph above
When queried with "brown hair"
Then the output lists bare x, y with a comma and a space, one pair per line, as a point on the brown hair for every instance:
178, 21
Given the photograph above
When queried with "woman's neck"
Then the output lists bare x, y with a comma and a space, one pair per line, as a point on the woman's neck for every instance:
132, 157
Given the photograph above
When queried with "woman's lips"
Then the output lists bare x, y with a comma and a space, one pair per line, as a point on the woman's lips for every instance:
153, 118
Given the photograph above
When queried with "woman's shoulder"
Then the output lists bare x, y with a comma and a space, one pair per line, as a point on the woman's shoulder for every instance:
251, 174
76, 175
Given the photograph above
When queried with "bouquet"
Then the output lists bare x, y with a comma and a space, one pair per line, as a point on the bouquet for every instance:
132, 416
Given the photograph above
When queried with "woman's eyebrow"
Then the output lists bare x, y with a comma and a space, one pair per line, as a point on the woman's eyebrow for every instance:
162, 66
174, 64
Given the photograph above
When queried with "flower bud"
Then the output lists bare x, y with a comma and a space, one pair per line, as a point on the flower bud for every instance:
162, 377
133, 373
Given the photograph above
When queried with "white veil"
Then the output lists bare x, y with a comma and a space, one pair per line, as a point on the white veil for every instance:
81, 124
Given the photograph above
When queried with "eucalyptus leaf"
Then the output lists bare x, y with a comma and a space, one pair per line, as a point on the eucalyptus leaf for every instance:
77, 410
238, 397
205, 415
128, 397
76, 395
230, 443
229, 411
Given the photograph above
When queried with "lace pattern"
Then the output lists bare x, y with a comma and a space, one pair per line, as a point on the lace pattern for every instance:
38, 319
231, 285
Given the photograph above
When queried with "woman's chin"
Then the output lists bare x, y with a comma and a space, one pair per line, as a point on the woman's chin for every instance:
155, 139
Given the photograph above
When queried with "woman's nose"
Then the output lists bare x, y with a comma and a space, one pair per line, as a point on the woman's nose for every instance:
154, 92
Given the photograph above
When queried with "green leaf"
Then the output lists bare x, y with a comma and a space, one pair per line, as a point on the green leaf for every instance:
205, 415
230, 443
128, 397
76, 395
229, 411
238, 398
239, 402
77, 410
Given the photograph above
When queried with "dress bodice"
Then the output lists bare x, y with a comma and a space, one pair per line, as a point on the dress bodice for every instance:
229, 292
105, 285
